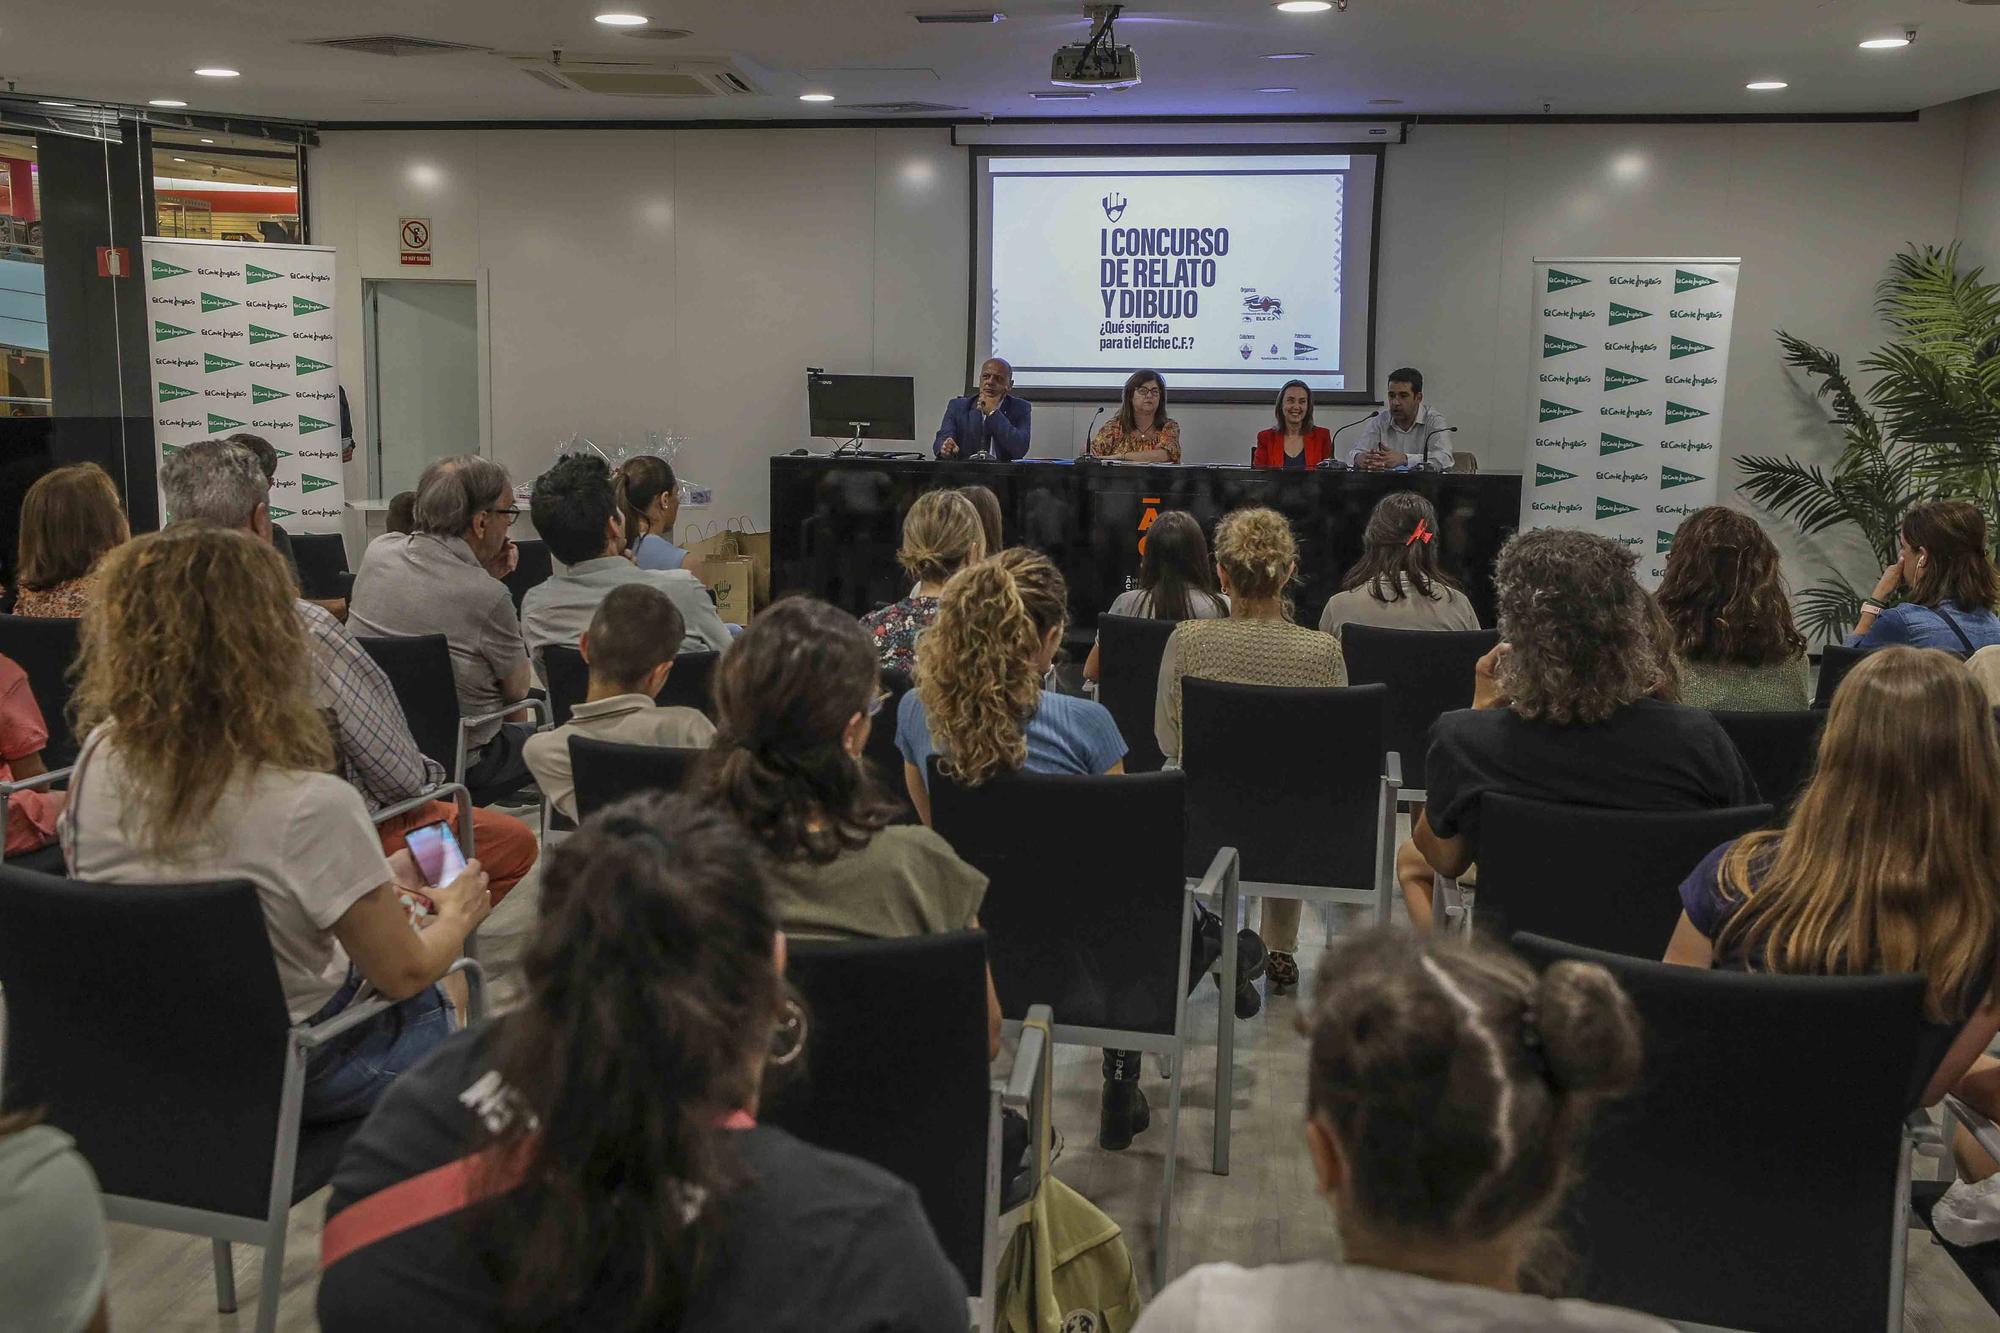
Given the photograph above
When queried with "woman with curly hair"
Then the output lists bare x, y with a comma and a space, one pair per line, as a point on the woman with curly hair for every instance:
205, 759
1945, 572
1735, 645
942, 534
1562, 710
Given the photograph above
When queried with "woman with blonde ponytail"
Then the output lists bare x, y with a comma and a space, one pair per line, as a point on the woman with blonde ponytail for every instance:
942, 534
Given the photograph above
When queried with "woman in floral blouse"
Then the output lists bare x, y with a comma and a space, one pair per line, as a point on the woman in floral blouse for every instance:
941, 535
1142, 432
69, 520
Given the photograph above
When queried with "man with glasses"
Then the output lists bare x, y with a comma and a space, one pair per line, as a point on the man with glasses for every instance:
444, 578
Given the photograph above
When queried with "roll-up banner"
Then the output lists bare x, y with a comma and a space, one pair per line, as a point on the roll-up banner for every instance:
243, 340
1630, 362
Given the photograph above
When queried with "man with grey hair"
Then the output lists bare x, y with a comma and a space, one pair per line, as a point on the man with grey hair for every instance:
444, 578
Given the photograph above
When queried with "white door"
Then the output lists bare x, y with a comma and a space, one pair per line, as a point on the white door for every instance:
423, 374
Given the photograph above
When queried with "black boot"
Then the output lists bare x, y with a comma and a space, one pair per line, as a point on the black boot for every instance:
1123, 1111
1250, 962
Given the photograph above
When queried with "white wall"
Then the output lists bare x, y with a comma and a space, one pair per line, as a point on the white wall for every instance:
1979, 204
683, 280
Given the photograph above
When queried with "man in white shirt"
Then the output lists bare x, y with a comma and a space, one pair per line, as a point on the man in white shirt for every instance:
576, 512
1398, 438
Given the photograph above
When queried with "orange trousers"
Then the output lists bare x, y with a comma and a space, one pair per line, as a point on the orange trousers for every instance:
504, 846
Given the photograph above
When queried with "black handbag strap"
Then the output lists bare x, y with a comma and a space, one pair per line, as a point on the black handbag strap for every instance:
1946, 616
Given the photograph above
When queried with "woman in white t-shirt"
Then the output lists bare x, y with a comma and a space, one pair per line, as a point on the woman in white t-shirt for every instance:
1176, 579
1448, 1085
1398, 584
206, 760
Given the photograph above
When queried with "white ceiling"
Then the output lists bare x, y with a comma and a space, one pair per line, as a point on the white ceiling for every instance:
1198, 57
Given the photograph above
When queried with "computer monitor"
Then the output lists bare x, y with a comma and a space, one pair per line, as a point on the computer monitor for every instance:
867, 407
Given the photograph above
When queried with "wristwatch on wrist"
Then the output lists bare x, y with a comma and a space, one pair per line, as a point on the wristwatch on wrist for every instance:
1874, 604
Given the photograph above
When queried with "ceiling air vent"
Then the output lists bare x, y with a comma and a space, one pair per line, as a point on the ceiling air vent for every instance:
611, 76
903, 108
395, 44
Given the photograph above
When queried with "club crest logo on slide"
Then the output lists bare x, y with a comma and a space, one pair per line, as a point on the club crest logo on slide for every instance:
1556, 411
1559, 280
307, 425
1673, 476
1607, 443
163, 331
253, 274
1625, 314
1678, 347
308, 483
1549, 476
169, 392
217, 423
1554, 346
306, 365
260, 394
1245, 350
210, 303
210, 363
1662, 542
1263, 305
1300, 349
162, 269
301, 306
1113, 205
1682, 412
1685, 281
260, 334
1612, 509
1620, 379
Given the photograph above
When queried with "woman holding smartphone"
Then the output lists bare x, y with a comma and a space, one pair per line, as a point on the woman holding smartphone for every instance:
205, 759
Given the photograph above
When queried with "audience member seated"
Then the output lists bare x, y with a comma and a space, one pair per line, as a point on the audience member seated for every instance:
1397, 583
53, 1256
1735, 645
402, 515
650, 498
1561, 710
1448, 1089
630, 648
1258, 644
445, 578
797, 698
576, 513
1890, 862
31, 815
217, 482
1176, 579
941, 535
69, 519
603, 1165
204, 759
266, 455
988, 504
1945, 571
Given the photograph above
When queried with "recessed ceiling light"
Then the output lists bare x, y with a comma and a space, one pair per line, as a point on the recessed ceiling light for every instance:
1277, 90
180, 159
815, 97
166, 101
1385, 101
219, 72
1767, 86
1304, 6
1884, 43
623, 20
1289, 55
208, 141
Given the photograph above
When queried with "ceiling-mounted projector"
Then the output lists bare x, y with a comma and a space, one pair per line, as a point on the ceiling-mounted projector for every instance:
1098, 62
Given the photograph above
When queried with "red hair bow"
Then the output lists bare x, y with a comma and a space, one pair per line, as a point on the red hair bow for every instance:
1422, 533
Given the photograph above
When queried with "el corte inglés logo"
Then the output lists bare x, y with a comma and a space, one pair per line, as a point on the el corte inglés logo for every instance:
309, 483
1673, 476
1556, 411
1679, 347
1559, 442
1628, 478
1613, 444
253, 274
169, 392
1554, 346
1549, 476
218, 422
163, 331
276, 512
1612, 509
210, 303
1558, 280
162, 269
1685, 281
307, 425
301, 306
1662, 542
210, 363
1625, 314
1620, 379
1682, 412
260, 394
306, 365
260, 334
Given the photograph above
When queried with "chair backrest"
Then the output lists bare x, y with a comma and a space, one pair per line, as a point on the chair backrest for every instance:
419, 670
902, 1085
1834, 664
881, 752
45, 649
1779, 749
1769, 1117
148, 1022
1428, 672
1605, 879
568, 678
1128, 681
608, 771
689, 683
1085, 906
535, 566
1291, 778
322, 558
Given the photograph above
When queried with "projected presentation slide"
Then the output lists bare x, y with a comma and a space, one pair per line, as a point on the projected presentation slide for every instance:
1228, 273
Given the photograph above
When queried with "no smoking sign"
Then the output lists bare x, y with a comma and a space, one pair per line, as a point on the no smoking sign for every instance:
416, 240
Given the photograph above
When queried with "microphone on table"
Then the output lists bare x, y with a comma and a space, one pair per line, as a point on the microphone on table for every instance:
1441, 430
1332, 459
1083, 445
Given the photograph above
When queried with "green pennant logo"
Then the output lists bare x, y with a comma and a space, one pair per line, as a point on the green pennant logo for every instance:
210, 363
1682, 412
1625, 314
1549, 476
1678, 347
307, 425
1554, 346
169, 392
1608, 443
260, 334
1556, 411
253, 274
1559, 280
169, 450
260, 394
1620, 379
1673, 476
162, 269
1662, 542
210, 303
1685, 281
163, 331
276, 512
308, 483
1612, 509
301, 306
217, 423
305, 365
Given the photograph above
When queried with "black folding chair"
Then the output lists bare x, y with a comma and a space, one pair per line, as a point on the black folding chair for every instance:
419, 671
535, 566
908, 1087
322, 558
1603, 879
607, 771
568, 678
1129, 649
689, 684
1428, 672
881, 752
182, 1079
1779, 749
1834, 664
45, 649
1758, 1178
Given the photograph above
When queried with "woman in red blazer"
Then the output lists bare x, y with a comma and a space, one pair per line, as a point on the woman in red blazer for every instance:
1295, 442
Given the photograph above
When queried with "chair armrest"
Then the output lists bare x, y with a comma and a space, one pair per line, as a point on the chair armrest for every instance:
1017, 1086
1392, 768
454, 792
1210, 884
540, 708
1983, 1130
54, 775
309, 1036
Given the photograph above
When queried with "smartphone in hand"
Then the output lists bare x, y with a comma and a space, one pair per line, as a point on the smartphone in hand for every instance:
437, 853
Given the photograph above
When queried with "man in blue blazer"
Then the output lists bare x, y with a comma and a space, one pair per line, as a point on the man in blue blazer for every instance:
992, 419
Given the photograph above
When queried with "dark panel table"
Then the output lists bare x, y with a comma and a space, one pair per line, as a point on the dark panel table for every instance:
836, 522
